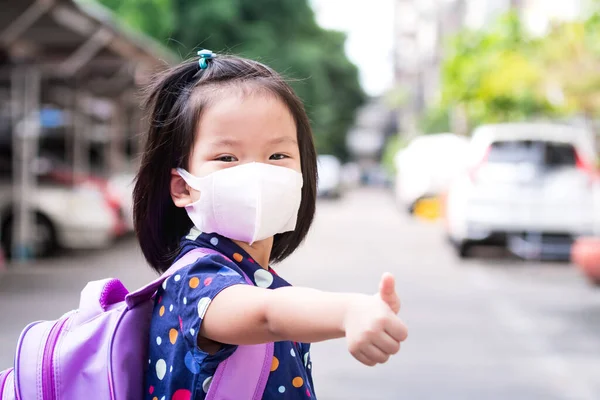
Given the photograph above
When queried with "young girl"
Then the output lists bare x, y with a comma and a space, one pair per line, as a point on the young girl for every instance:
230, 165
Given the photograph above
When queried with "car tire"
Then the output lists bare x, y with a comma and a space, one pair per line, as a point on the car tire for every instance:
48, 242
463, 249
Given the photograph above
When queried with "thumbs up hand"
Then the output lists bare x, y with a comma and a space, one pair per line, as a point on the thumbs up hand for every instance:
387, 292
373, 329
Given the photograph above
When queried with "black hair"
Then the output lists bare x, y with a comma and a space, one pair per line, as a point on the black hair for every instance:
174, 103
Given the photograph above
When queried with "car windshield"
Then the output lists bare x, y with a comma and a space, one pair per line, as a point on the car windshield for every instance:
548, 154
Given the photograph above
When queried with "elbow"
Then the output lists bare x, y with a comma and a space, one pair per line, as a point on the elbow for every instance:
272, 320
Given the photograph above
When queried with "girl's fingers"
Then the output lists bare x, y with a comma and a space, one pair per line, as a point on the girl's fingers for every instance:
387, 344
375, 354
396, 329
361, 356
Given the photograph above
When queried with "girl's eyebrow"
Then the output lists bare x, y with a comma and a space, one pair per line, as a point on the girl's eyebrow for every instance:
225, 142
283, 139
230, 142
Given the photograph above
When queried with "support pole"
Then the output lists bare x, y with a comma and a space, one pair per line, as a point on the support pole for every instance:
25, 87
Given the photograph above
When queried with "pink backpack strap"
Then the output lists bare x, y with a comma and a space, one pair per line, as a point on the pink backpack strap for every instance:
145, 293
244, 374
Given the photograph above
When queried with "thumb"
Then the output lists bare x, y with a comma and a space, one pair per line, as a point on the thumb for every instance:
387, 292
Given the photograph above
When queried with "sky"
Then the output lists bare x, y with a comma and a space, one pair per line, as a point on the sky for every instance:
369, 26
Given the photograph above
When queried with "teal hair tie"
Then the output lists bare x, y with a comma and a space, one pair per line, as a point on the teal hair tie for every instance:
205, 55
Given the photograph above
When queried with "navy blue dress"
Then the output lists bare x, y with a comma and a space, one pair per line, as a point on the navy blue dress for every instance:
177, 368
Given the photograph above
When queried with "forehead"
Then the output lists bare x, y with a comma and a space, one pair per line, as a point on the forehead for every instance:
245, 114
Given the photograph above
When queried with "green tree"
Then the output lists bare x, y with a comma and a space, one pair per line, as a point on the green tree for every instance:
281, 33
494, 74
571, 54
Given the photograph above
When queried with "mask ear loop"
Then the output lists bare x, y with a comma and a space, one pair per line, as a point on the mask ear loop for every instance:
188, 178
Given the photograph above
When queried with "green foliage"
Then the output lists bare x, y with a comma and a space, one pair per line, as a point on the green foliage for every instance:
502, 74
435, 120
494, 73
571, 54
280, 33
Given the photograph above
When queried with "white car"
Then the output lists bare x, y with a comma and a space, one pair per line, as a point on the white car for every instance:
122, 186
531, 187
427, 167
330, 176
75, 216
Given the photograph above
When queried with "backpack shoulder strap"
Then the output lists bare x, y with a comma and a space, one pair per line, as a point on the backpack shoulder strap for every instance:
146, 292
244, 374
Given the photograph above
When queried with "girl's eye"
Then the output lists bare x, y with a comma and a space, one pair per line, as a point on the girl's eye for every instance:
278, 156
227, 159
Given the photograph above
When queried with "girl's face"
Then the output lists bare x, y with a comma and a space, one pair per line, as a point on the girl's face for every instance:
236, 130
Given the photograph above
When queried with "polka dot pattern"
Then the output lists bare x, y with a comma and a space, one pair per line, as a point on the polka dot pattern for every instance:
173, 335
206, 384
203, 306
161, 369
194, 282
175, 362
191, 363
297, 382
274, 364
182, 394
263, 278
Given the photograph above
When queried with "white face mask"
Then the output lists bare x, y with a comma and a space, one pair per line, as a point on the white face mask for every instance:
249, 202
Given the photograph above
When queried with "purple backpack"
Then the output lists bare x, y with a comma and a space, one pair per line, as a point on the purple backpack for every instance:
100, 350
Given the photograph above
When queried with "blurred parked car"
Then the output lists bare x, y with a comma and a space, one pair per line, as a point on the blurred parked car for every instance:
71, 214
530, 187
351, 173
330, 176
121, 186
376, 175
427, 166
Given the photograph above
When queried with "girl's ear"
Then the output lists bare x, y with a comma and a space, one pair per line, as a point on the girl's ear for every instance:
180, 192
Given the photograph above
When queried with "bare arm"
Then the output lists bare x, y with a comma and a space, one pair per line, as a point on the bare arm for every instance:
244, 314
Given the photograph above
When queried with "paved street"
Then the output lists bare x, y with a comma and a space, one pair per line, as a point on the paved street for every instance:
484, 329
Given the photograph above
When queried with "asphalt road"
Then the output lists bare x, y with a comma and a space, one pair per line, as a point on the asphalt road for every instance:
488, 328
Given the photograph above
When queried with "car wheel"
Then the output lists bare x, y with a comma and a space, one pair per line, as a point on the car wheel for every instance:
45, 240
463, 249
